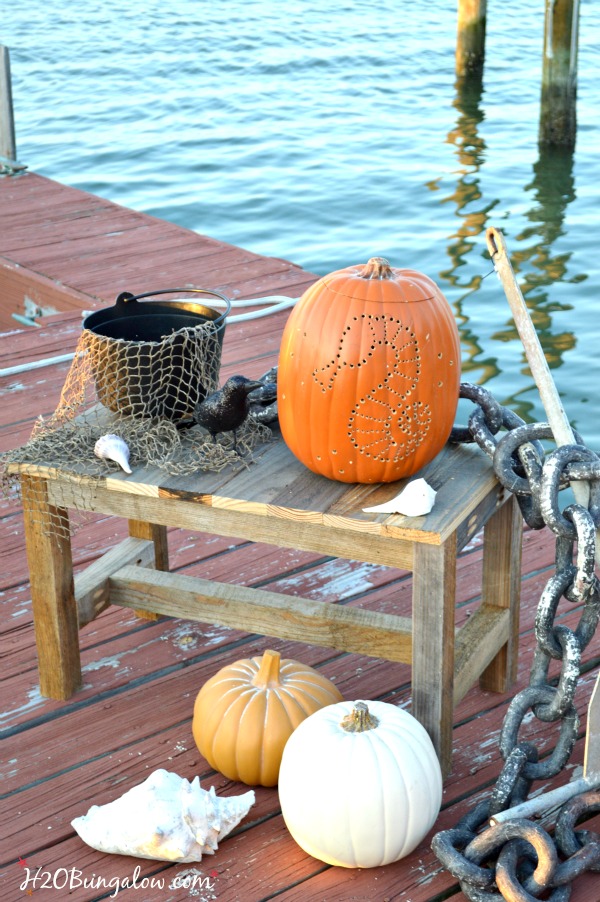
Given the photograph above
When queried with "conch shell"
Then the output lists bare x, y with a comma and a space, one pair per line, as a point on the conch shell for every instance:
166, 818
113, 447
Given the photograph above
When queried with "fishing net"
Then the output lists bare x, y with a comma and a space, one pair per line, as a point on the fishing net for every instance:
144, 392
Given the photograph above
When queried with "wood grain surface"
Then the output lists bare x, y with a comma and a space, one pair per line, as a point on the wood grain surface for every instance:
140, 677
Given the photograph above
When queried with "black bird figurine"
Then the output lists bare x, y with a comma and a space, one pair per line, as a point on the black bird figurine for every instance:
263, 400
226, 409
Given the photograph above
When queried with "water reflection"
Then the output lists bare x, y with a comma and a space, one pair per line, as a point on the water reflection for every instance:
533, 252
472, 216
553, 186
470, 152
541, 266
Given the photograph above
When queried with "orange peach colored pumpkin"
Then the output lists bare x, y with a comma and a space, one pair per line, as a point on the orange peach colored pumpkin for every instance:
369, 374
245, 713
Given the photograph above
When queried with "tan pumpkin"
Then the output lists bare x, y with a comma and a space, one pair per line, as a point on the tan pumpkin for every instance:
245, 713
369, 374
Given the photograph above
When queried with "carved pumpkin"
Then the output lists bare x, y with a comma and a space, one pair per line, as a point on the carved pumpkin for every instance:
369, 374
360, 785
245, 713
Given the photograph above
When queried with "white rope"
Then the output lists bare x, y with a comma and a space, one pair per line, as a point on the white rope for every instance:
274, 303
35, 365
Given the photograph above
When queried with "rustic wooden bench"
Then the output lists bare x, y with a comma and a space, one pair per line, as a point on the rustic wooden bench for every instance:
278, 501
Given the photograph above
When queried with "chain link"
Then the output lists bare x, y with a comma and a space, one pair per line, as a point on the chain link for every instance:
527, 862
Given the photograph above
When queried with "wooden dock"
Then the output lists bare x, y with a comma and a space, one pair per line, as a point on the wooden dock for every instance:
61, 252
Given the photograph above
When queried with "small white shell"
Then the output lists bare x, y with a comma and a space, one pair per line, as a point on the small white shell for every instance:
165, 818
112, 447
416, 499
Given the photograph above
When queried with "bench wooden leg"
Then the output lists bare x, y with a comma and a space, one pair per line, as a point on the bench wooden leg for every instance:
55, 618
140, 529
502, 542
434, 592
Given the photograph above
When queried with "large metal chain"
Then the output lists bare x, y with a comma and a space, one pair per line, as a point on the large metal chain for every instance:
518, 860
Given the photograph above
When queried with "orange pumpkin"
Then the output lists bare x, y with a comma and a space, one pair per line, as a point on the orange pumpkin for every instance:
245, 713
369, 374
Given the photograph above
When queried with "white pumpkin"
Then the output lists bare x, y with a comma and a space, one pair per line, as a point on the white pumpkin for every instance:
360, 785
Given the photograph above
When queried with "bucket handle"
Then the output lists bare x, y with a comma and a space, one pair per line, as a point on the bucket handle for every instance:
274, 303
126, 296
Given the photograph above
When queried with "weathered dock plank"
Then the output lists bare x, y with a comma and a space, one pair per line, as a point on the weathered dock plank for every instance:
70, 251
82, 251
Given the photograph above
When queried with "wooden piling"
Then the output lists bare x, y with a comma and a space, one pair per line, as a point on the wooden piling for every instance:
558, 119
8, 144
470, 39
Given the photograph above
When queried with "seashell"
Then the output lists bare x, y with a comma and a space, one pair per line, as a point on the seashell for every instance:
416, 499
113, 447
165, 818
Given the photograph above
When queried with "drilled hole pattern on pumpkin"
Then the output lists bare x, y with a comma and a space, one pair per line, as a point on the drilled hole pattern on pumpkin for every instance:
385, 423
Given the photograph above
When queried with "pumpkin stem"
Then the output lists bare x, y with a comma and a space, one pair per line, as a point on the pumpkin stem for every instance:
359, 720
377, 268
268, 672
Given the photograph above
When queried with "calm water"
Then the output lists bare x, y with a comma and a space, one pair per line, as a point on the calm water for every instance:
329, 135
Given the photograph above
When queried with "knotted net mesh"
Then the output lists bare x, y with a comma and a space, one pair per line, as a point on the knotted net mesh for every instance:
144, 392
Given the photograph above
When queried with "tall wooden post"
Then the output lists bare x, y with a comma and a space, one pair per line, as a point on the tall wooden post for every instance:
558, 120
470, 39
8, 145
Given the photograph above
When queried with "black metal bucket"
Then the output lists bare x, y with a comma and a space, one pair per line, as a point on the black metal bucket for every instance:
156, 359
